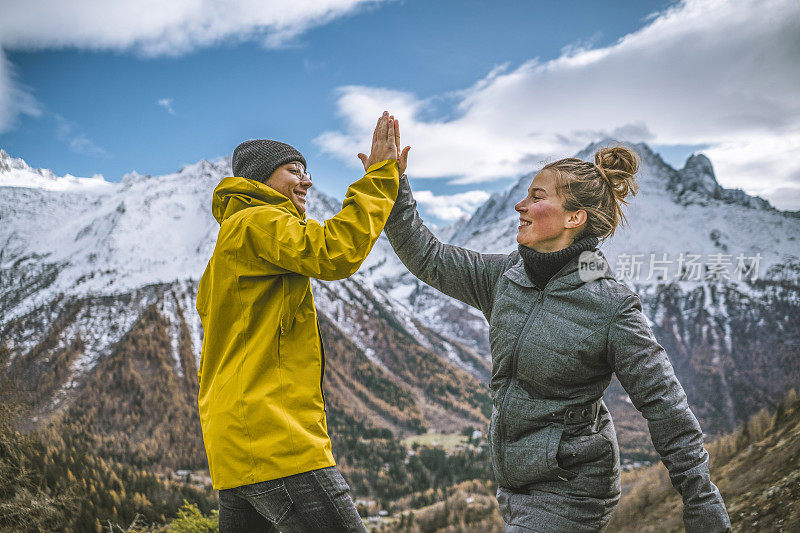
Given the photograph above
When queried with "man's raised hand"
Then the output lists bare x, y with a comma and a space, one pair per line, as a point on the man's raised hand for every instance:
384, 142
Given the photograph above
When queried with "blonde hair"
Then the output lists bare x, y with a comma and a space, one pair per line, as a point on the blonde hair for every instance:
598, 188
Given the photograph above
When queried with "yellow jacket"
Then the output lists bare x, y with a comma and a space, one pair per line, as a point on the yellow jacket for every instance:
261, 403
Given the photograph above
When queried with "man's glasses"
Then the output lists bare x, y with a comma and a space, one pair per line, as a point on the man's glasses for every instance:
300, 172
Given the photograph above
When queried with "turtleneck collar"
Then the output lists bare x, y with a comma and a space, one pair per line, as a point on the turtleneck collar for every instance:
541, 266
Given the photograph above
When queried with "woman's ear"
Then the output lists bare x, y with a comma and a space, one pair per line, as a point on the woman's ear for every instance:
577, 218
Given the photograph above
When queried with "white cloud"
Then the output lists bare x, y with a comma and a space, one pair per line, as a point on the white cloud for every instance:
154, 27
166, 103
149, 28
787, 197
14, 98
722, 73
453, 206
312, 66
77, 142
762, 164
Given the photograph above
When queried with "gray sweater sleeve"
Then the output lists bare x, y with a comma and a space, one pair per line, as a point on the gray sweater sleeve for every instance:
644, 370
463, 274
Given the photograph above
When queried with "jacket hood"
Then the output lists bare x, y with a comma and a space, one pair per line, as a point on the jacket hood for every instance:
233, 194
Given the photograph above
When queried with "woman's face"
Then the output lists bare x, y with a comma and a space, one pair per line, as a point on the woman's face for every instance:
544, 225
291, 181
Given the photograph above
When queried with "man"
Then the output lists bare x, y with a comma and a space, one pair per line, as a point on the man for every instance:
262, 405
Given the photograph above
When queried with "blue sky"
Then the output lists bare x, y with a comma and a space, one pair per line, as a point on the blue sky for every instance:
486, 90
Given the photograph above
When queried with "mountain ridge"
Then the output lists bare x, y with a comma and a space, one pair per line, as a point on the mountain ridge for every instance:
123, 248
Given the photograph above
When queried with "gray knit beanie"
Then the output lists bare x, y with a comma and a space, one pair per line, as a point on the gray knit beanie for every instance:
257, 159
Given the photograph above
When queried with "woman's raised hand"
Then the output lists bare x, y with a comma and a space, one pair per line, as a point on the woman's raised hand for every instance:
402, 159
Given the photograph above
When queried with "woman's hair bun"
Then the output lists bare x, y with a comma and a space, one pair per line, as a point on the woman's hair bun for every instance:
618, 165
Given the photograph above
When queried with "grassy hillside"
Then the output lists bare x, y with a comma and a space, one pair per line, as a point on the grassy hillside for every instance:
53, 481
110, 451
757, 469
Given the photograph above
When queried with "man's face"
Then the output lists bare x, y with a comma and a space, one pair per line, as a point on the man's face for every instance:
292, 181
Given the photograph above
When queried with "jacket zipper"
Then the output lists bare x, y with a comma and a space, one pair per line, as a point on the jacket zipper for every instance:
322, 371
514, 358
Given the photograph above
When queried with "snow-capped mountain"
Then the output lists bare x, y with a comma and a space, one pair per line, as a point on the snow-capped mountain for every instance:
718, 272
82, 258
675, 211
679, 218
80, 264
15, 172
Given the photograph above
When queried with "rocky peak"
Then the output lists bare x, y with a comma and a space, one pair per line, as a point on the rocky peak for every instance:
654, 173
133, 177
648, 157
8, 163
698, 175
206, 168
498, 211
696, 183
700, 164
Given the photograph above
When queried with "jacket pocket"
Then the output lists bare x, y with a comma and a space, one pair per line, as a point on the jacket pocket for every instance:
592, 450
294, 288
534, 458
592, 457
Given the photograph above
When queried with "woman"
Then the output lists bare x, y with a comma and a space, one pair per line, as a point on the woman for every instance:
556, 336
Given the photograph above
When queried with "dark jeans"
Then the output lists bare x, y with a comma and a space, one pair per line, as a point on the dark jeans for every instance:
315, 501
